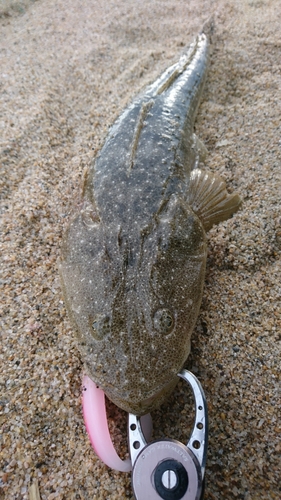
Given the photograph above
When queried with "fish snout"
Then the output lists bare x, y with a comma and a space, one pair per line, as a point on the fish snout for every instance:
140, 403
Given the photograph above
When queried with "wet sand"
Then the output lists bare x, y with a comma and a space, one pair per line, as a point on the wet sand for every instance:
67, 70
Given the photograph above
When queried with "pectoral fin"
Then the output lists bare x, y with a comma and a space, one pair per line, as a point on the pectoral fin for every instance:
209, 199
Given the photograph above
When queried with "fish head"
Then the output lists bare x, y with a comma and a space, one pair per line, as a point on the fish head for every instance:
134, 297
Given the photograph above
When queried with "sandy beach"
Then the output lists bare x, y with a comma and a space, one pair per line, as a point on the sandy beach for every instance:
68, 68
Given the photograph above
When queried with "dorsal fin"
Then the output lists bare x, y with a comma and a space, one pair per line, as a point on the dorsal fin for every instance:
209, 198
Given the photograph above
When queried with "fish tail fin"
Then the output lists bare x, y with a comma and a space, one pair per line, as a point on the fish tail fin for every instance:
208, 26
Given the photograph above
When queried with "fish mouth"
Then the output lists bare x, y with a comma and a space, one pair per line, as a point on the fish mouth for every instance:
142, 406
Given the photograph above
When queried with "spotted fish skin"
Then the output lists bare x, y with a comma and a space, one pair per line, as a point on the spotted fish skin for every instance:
134, 255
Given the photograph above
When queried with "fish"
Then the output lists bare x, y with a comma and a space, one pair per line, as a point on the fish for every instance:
133, 256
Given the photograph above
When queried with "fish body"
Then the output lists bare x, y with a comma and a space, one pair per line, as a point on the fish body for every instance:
134, 255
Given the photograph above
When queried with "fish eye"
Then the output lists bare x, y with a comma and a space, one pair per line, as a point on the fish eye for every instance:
163, 321
101, 326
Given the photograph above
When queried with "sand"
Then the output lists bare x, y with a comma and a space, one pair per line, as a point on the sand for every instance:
68, 68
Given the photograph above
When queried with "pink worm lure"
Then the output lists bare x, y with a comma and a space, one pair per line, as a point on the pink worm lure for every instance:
97, 428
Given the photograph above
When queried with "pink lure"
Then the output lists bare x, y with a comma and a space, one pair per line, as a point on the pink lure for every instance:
96, 424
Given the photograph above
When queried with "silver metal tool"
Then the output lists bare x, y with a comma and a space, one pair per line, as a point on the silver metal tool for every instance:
166, 468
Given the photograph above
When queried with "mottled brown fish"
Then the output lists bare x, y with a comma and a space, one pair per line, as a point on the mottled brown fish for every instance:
134, 256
